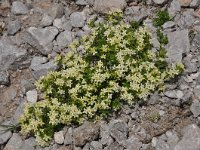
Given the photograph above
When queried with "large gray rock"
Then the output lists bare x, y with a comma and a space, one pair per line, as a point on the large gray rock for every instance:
118, 130
106, 139
13, 27
95, 145
77, 19
62, 24
195, 108
4, 135
56, 11
28, 144
190, 140
4, 78
195, 3
47, 20
59, 137
104, 6
11, 56
174, 8
178, 45
132, 143
68, 137
18, 8
86, 133
114, 146
40, 66
41, 38
32, 96
63, 39
14, 143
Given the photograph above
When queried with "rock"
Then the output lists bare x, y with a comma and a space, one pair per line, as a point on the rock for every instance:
32, 96
56, 11
4, 135
63, 39
94, 145
106, 139
132, 143
40, 66
18, 8
174, 94
136, 13
47, 20
196, 92
18, 113
118, 130
77, 19
81, 2
41, 38
4, 78
62, 24
195, 108
11, 56
174, 8
197, 13
185, 2
190, 140
65, 148
168, 24
159, 2
14, 143
26, 85
13, 27
104, 6
28, 144
59, 137
172, 138
114, 146
68, 137
187, 19
178, 45
196, 40
195, 3
85, 133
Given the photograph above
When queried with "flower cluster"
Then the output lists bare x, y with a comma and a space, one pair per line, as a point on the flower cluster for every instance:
117, 66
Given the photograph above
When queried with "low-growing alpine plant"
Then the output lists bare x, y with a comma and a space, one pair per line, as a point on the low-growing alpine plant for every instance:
117, 66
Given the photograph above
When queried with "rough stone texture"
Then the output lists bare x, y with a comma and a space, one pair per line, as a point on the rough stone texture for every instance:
178, 45
41, 38
174, 94
82, 2
168, 24
195, 3
118, 130
106, 139
77, 19
32, 96
63, 39
11, 57
195, 108
68, 137
26, 85
18, 8
4, 78
174, 8
190, 140
13, 27
62, 24
40, 66
56, 11
4, 136
103, 6
114, 146
47, 20
132, 143
94, 145
159, 2
85, 133
59, 137
185, 2
28, 144
14, 143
